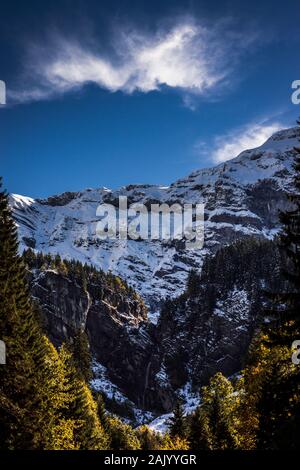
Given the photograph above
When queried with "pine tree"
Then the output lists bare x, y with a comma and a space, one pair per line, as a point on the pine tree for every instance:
270, 401
33, 390
217, 415
246, 415
286, 325
89, 433
177, 424
55, 430
81, 354
149, 439
278, 403
20, 332
174, 443
102, 414
193, 283
122, 436
197, 431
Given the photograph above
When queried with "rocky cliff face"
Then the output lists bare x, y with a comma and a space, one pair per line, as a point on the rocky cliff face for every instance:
112, 314
207, 325
206, 329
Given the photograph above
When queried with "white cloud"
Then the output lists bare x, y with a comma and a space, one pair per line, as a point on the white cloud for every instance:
251, 136
187, 56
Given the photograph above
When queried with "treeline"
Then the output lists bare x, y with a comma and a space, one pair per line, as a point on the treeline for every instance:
83, 273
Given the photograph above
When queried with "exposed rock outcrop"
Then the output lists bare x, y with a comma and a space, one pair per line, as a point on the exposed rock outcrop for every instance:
206, 329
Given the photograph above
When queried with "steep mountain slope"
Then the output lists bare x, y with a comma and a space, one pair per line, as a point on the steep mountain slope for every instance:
209, 327
241, 197
209, 323
140, 367
75, 297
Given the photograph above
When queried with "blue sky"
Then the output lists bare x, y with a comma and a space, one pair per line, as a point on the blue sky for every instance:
111, 93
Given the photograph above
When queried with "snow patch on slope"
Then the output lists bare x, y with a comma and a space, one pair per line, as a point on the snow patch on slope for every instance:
102, 384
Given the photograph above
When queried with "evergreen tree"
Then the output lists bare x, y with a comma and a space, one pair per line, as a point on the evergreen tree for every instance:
80, 349
177, 424
33, 390
217, 415
286, 325
122, 436
197, 431
102, 414
278, 402
24, 345
272, 396
149, 439
174, 443
89, 433
193, 283
246, 419
55, 429
44, 401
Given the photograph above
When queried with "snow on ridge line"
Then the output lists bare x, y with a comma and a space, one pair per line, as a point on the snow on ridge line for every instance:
280, 141
20, 200
67, 225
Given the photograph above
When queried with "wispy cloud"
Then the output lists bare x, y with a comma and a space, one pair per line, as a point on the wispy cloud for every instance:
227, 146
251, 136
188, 56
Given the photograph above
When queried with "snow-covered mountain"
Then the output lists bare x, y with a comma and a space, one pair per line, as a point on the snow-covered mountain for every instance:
241, 197
140, 366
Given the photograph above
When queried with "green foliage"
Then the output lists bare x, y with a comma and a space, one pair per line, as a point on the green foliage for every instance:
174, 443
25, 345
123, 437
246, 416
216, 418
272, 394
80, 349
177, 422
149, 439
101, 284
196, 433
44, 401
53, 429
278, 403
286, 305
89, 433
262, 410
102, 414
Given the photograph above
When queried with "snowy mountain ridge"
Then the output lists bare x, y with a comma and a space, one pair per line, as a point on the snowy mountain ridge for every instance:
241, 196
